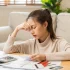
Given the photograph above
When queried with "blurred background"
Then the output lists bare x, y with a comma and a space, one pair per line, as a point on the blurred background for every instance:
7, 6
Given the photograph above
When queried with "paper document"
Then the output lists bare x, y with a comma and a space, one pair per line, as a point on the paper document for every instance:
24, 62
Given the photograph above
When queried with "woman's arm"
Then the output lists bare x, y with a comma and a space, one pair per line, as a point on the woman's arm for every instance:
51, 56
58, 56
19, 27
9, 47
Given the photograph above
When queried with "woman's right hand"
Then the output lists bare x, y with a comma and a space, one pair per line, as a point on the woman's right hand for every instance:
23, 26
20, 27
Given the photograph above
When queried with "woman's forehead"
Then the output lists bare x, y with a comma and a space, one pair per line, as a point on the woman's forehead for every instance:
32, 21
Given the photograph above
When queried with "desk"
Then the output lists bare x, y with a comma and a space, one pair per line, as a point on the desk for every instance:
64, 64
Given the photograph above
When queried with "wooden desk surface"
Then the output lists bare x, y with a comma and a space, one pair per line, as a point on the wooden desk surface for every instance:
64, 64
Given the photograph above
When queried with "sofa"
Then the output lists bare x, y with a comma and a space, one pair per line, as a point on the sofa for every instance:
61, 26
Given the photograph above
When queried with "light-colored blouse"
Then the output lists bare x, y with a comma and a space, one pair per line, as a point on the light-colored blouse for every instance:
33, 46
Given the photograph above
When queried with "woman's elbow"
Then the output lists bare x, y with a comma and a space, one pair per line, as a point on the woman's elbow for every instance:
7, 51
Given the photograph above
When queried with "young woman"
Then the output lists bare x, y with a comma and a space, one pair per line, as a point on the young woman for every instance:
45, 45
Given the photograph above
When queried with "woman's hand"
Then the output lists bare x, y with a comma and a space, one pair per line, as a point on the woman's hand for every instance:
23, 26
38, 57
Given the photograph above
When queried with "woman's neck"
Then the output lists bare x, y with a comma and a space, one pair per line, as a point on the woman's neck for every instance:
44, 37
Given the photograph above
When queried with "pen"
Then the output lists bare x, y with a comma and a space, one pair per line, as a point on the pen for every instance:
36, 66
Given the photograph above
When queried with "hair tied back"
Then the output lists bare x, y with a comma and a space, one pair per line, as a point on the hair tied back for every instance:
46, 10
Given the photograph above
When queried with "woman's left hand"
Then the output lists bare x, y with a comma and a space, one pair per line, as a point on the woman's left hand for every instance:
38, 57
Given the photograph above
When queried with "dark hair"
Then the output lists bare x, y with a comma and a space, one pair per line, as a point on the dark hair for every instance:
42, 16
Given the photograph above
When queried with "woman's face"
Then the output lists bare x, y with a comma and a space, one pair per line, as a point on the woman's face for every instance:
37, 30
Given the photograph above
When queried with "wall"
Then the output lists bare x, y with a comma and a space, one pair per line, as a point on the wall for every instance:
5, 10
65, 4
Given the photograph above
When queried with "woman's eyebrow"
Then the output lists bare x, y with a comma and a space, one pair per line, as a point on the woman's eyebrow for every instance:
33, 25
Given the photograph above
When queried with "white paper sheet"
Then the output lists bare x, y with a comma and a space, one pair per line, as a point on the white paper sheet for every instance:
25, 63
22, 64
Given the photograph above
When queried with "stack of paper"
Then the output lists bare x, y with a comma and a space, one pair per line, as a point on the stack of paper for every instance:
23, 62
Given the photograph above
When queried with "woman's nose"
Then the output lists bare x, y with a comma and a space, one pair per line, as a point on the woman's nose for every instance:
32, 31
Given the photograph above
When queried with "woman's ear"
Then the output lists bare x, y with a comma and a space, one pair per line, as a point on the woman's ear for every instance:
45, 24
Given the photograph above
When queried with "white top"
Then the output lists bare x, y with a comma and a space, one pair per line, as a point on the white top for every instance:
33, 46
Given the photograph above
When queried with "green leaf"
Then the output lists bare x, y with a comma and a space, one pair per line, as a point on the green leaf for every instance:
48, 5
52, 5
53, 1
43, 1
68, 10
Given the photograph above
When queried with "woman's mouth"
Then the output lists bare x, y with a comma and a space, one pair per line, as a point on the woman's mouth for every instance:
34, 35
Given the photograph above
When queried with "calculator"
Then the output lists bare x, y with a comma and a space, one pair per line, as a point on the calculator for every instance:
7, 59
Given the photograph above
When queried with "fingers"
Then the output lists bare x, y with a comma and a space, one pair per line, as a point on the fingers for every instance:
38, 57
19, 27
35, 57
26, 26
23, 26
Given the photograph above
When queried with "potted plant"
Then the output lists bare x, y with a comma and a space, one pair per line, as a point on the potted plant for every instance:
52, 5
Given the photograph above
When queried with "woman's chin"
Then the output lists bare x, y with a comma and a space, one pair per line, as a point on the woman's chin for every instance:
36, 38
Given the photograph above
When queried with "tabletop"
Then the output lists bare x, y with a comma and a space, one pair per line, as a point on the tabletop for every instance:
64, 64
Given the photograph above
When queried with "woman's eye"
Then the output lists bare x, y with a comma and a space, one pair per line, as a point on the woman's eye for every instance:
33, 27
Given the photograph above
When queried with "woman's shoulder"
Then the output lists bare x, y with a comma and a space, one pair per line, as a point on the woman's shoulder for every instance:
60, 39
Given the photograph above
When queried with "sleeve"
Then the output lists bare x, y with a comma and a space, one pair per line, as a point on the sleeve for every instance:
63, 45
10, 47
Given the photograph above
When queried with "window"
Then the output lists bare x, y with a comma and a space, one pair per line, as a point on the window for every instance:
20, 2
1, 2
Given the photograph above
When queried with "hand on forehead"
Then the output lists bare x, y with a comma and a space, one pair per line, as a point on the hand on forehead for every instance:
30, 22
